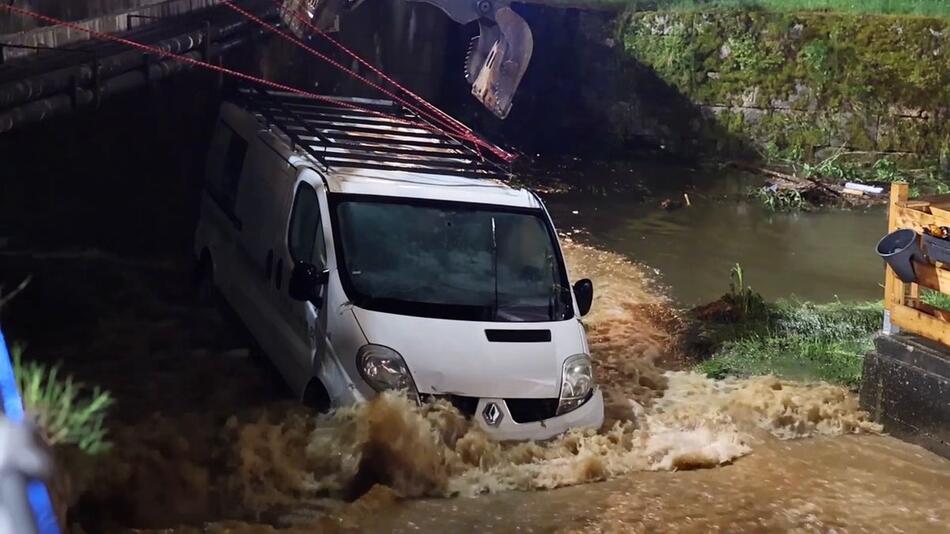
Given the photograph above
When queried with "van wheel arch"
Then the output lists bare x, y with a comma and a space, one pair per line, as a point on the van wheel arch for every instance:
316, 396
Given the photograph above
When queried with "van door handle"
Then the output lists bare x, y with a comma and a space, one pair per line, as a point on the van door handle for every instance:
279, 275
269, 265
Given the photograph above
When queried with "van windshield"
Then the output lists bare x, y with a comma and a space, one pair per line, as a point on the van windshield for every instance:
450, 260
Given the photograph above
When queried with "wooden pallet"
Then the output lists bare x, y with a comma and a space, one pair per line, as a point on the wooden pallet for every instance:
901, 300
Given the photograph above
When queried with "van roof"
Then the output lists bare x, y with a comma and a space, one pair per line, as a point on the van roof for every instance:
364, 151
407, 184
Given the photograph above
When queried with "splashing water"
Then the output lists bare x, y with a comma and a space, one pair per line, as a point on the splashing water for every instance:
270, 467
659, 421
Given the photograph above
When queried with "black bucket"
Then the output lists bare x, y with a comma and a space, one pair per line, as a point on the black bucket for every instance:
899, 248
937, 249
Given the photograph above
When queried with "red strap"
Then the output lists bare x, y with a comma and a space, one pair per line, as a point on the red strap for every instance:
334, 63
425, 103
456, 128
203, 64
465, 134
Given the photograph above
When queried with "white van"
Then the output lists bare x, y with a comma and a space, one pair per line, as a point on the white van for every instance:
364, 255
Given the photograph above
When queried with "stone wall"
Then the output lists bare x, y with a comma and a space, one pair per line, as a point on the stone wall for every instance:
803, 84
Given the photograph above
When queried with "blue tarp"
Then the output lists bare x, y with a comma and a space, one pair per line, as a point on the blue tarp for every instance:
13, 409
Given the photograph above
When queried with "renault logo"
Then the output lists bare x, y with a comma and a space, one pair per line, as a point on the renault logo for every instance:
492, 414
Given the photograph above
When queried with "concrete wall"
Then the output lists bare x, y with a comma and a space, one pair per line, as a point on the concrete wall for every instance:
906, 387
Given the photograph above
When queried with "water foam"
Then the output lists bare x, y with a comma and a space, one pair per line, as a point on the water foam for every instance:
284, 460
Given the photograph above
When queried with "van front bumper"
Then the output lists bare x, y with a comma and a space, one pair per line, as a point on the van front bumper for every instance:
589, 415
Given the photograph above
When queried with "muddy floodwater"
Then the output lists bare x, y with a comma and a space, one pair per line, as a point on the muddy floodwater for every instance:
206, 439
843, 484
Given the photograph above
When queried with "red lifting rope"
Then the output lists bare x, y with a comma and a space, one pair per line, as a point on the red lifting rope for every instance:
198, 63
457, 129
425, 103
453, 127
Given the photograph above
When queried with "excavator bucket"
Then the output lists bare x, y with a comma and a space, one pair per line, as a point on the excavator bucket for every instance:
478, 49
498, 59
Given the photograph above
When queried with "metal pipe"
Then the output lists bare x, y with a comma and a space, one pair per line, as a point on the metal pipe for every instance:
61, 104
22, 91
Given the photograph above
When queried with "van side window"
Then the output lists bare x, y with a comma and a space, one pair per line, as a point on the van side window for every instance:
305, 238
224, 175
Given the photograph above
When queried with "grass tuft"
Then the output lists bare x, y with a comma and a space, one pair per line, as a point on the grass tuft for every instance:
66, 412
935, 299
789, 338
834, 361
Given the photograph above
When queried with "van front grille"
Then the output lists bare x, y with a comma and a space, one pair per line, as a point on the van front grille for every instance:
531, 410
521, 410
465, 405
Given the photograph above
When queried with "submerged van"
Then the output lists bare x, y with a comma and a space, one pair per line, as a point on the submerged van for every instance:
365, 255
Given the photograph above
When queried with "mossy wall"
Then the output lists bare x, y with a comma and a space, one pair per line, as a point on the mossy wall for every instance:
799, 84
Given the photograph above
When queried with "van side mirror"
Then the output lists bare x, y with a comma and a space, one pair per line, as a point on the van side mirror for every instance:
584, 293
306, 281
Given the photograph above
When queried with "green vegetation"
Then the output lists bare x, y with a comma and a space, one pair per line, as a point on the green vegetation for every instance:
65, 411
807, 62
834, 361
779, 199
742, 298
836, 171
789, 338
915, 7
799, 84
935, 298
928, 8
925, 181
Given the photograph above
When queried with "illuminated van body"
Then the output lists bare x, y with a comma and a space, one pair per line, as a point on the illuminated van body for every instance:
364, 255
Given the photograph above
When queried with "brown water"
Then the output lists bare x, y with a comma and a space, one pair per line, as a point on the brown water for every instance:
680, 452
818, 255
205, 442
842, 484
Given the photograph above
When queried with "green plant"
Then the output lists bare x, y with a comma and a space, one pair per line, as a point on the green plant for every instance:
798, 339
833, 169
886, 170
830, 321
775, 199
668, 49
750, 55
917, 7
63, 409
935, 299
816, 56
836, 361
747, 303
922, 181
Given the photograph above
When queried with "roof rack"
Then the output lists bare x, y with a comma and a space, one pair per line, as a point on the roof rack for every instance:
342, 137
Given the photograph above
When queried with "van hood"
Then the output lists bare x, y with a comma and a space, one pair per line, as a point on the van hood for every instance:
457, 358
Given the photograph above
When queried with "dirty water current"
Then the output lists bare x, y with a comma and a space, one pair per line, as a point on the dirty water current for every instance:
678, 452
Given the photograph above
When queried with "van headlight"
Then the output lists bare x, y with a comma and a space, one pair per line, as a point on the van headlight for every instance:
577, 380
384, 369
